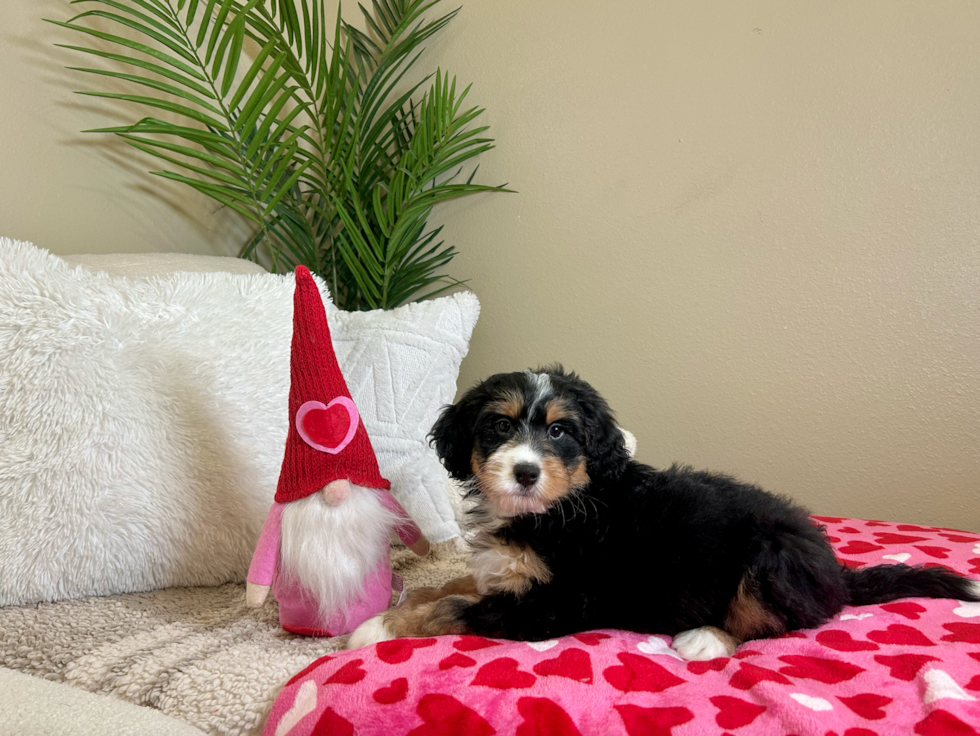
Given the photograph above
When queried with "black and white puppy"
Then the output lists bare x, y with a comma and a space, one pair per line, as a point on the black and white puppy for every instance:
570, 534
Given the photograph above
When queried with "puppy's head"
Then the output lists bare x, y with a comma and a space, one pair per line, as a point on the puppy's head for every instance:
529, 439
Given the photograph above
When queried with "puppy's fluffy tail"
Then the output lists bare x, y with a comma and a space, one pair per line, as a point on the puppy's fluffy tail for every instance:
883, 583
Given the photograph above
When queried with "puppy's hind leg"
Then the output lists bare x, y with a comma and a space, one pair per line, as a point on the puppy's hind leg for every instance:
433, 618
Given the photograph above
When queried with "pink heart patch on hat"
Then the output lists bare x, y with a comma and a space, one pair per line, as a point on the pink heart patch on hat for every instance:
328, 427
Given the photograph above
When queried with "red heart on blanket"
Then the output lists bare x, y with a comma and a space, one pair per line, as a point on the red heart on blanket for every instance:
901, 634
503, 674
328, 427
592, 638
652, 721
859, 547
543, 717
876, 523
974, 564
456, 660
393, 693
941, 722
960, 538
915, 528
904, 666
443, 715
848, 530
334, 724
867, 705
828, 671
940, 553
905, 608
750, 674
892, 538
472, 643
574, 664
309, 668
858, 732
348, 674
969, 633
842, 641
639, 674
853, 564
735, 712
973, 684
397, 651
699, 668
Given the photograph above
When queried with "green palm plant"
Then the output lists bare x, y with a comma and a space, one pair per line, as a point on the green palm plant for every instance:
309, 130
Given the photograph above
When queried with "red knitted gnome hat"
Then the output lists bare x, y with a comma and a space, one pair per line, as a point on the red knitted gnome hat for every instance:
327, 439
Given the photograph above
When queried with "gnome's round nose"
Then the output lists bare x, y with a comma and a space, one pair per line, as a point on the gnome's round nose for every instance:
336, 492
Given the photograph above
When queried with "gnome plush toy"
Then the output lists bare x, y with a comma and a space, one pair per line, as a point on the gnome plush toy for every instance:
324, 547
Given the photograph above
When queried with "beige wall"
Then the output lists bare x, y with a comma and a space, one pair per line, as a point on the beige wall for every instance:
754, 226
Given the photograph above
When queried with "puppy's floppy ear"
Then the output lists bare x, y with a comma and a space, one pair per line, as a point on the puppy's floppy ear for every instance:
453, 436
606, 453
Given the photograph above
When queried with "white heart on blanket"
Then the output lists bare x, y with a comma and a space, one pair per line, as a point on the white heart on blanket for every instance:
303, 705
855, 616
968, 610
656, 645
941, 685
542, 646
808, 701
900, 557
976, 549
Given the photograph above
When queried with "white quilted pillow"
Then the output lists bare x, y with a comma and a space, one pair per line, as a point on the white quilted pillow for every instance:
142, 421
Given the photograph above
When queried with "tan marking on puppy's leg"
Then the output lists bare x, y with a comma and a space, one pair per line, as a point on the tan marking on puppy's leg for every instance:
747, 618
506, 567
443, 616
459, 586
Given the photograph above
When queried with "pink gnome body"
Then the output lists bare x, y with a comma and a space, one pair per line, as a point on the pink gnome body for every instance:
324, 547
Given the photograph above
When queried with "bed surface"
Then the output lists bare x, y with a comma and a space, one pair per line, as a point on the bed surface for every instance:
198, 654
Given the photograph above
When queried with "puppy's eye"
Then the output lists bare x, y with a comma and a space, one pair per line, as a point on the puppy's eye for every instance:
502, 426
556, 431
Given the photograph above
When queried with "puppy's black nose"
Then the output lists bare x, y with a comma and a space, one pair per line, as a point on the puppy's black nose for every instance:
527, 475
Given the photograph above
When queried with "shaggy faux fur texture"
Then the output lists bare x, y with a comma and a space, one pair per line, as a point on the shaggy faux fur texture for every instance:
330, 550
197, 654
142, 421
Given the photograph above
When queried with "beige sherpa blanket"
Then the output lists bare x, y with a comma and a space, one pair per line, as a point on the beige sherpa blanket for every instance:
197, 654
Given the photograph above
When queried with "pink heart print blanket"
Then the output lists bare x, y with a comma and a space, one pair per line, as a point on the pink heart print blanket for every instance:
902, 668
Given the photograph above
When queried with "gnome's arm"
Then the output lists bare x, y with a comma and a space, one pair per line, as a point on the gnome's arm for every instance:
263, 567
407, 530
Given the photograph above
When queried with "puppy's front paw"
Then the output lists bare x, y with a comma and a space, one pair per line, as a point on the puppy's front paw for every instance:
370, 632
705, 643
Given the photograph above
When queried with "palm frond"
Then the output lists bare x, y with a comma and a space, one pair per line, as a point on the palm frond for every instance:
314, 138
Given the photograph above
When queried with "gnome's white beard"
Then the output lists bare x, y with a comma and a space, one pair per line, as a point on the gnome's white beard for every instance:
330, 550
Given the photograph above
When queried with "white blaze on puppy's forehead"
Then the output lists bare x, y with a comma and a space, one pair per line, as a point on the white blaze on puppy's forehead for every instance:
539, 388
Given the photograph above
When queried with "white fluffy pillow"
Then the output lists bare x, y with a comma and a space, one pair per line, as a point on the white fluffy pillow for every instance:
142, 421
